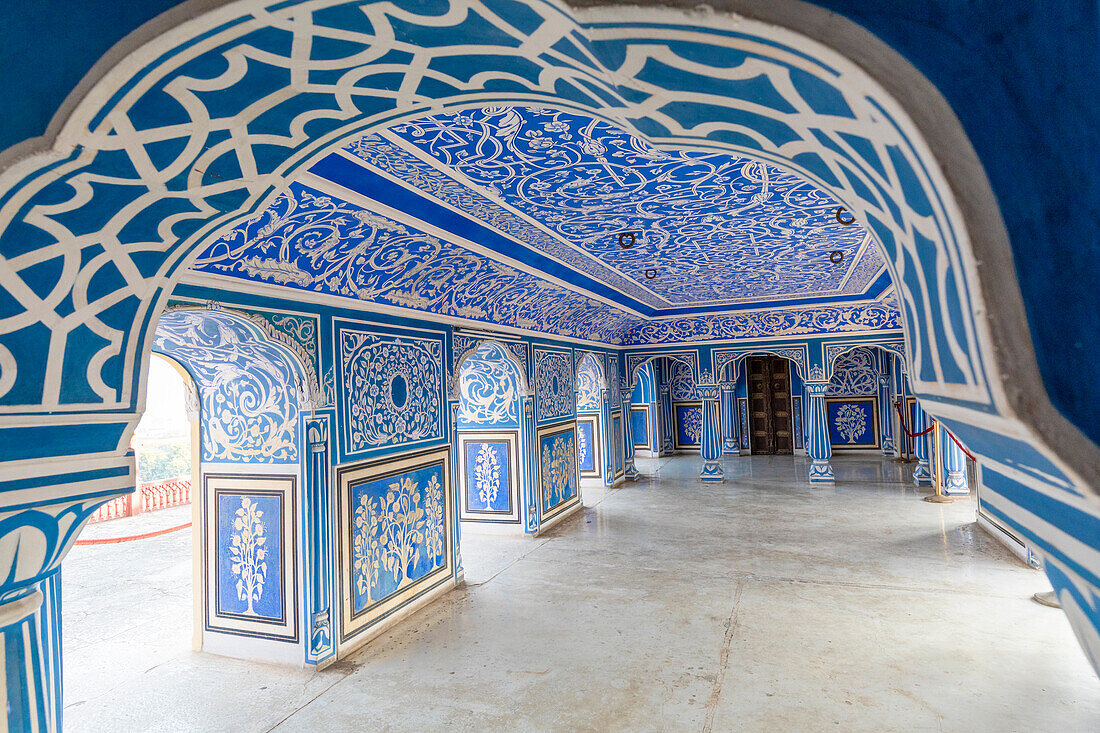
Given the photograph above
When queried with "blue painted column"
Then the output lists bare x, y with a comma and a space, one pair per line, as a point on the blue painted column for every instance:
24, 670
730, 444
954, 466
886, 408
922, 474
607, 437
818, 445
319, 550
530, 486
711, 438
630, 470
667, 426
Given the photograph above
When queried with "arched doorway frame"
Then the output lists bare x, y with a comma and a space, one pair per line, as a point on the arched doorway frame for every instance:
602, 434
304, 578
998, 400
521, 460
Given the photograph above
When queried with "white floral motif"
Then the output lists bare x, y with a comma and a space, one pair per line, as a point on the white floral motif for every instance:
850, 422
247, 554
488, 389
588, 384
854, 374
582, 447
559, 472
582, 178
692, 424
250, 414
391, 532
487, 475
682, 382
553, 384
371, 365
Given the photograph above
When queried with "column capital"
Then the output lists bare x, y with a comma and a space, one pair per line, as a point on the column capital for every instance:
817, 389
727, 386
707, 391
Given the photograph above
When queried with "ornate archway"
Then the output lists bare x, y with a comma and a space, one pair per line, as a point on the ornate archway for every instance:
192, 135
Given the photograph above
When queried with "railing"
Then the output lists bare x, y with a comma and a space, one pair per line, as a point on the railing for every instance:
151, 496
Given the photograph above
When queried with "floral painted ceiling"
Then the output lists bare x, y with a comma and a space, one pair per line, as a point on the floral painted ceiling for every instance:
513, 216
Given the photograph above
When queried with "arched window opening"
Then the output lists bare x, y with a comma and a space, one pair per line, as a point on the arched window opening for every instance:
138, 551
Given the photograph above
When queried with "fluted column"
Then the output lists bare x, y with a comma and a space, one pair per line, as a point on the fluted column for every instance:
631, 471
817, 434
922, 474
711, 439
886, 414
954, 465
730, 444
664, 396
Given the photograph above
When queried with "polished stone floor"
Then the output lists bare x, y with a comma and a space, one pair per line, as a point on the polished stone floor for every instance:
761, 604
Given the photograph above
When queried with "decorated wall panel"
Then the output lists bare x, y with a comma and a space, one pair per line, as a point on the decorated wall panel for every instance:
589, 447
247, 385
488, 389
489, 469
689, 424
391, 388
853, 422
796, 415
855, 374
612, 375
394, 521
681, 382
555, 392
743, 415
250, 556
589, 378
558, 475
639, 430
617, 461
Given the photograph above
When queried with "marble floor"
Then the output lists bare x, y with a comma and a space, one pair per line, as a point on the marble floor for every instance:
760, 604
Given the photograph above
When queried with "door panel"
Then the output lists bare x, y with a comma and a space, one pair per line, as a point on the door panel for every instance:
769, 387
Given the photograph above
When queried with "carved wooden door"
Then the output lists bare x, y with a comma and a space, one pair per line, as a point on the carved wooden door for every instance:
769, 387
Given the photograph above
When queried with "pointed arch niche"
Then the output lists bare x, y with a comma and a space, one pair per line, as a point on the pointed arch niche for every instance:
491, 445
592, 421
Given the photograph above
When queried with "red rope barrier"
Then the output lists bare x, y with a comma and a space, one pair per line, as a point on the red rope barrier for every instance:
131, 538
964, 450
910, 433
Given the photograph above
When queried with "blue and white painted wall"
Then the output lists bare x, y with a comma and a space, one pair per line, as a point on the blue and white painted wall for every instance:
104, 214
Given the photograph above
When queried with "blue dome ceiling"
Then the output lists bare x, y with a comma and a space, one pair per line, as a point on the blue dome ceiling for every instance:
512, 215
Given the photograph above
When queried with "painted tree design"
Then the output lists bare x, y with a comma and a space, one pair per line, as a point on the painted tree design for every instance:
368, 551
558, 470
247, 553
850, 422
582, 447
404, 532
487, 475
433, 529
693, 424
391, 532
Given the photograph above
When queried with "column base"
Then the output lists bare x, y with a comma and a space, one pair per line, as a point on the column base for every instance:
712, 471
821, 472
921, 475
630, 471
956, 485
888, 447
